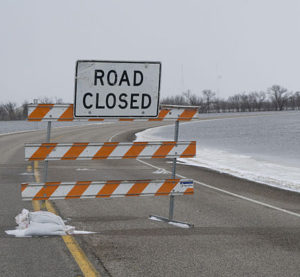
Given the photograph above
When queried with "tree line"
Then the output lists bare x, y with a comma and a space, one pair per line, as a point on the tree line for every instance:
276, 98
11, 111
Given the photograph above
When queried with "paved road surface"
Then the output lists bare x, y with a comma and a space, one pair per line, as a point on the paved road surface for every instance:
241, 228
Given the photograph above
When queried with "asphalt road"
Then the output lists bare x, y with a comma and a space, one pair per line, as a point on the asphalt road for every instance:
241, 228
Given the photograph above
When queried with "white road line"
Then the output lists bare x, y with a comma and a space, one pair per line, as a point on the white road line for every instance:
230, 193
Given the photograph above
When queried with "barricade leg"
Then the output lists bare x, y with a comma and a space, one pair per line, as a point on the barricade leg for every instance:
172, 197
45, 177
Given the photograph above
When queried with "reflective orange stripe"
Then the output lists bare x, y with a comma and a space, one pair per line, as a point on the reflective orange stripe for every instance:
190, 151
161, 115
137, 188
189, 191
135, 150
46, 191
23, 186
43, 151
167, 187
126, 119
75, 151
164, 149
39, 112
108, 189
187, 114
67, 115
105, 150
95, 119
78, 190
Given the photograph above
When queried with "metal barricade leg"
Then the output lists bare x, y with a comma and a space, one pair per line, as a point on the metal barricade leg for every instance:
45, 177
172, 197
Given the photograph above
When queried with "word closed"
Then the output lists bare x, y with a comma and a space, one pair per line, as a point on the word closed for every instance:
117, 89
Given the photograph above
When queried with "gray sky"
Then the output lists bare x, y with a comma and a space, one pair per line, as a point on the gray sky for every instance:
228, 46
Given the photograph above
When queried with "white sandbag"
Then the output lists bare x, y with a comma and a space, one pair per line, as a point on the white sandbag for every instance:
22, 219
45, 217
41, 223
44, 229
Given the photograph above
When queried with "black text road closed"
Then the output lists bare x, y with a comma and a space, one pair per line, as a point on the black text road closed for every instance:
117, 89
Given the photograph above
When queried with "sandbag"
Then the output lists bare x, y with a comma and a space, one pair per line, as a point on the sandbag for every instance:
44, 229
40, 223
45, 217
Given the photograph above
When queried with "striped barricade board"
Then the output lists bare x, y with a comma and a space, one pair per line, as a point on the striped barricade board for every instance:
64, 112
109, 150
106, 189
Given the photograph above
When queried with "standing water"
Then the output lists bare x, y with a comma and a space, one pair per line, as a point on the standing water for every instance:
264, 148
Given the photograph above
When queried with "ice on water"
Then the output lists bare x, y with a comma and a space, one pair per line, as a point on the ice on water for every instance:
263, 148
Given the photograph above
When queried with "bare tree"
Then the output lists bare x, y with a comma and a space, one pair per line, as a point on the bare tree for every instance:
235, 103
24, 110
192, 99
3, 113
174, 100
10, 108
260, 98
297, 99
208, 96
279, 96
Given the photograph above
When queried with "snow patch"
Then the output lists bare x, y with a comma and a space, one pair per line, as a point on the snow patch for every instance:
246, 167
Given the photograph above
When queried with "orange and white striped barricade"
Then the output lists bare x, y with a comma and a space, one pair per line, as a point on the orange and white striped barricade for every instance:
109, 150
64, 112
106, 189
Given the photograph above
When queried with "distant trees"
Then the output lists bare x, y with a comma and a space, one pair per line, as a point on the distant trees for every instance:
10, 110
276, 98
175, 100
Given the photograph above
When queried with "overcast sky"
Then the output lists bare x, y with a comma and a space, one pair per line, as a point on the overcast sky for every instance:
228, 46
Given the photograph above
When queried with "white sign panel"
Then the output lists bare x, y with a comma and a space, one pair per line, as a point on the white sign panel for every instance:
117, 89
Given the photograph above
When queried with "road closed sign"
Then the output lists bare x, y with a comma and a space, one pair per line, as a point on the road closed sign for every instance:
117, 89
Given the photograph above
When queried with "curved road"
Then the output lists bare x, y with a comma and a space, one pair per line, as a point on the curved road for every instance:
241, 228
